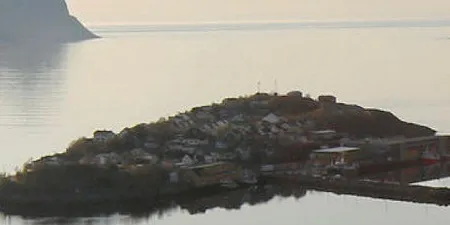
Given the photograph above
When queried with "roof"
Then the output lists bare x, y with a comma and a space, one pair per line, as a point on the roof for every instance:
336, 150
410, 140
323, 132
207, 165
271, 118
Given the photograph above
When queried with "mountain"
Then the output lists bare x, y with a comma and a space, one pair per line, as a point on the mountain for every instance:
40, 20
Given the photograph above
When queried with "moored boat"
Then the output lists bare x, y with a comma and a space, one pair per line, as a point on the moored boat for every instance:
430, 157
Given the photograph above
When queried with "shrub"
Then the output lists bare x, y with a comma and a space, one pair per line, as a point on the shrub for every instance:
3, 177
82, 146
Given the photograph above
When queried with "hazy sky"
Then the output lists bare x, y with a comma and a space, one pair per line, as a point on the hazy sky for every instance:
160, 11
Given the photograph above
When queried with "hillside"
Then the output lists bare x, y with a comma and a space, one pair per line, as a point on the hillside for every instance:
43, 20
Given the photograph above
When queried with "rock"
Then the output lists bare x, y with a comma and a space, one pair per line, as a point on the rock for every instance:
40, 20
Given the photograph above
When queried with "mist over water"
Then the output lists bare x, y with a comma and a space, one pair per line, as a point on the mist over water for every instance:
51, 94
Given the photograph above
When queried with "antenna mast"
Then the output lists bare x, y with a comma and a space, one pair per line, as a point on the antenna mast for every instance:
276, 87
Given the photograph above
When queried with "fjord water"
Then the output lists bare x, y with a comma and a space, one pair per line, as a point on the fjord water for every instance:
52, 94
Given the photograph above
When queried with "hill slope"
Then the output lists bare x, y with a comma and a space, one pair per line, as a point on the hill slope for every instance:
40, 20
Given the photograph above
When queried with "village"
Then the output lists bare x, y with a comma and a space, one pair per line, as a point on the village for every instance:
243, 138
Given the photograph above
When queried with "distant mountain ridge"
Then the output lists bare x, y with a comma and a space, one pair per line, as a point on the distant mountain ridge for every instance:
40, 20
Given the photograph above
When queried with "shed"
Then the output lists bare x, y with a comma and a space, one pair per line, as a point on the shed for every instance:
327, 99
336, 155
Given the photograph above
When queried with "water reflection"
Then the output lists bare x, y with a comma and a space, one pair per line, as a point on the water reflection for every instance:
229, 199
413, 174
226, 199
30, 82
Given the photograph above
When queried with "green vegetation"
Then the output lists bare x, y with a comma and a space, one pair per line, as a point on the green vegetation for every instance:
76, 181
3, 178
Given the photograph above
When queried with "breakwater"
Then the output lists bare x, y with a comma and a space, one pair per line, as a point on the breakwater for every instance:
367, 188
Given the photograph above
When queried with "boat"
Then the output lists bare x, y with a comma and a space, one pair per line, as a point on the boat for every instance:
430, 157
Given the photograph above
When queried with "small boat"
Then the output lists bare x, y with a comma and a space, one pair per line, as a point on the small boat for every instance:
430, 157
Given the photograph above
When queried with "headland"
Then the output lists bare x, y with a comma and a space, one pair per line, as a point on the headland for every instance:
40, 21
240, 142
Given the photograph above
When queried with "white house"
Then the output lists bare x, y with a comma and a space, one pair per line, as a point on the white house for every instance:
271, 118
186, 161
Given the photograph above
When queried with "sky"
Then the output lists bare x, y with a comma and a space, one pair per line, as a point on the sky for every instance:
193, 11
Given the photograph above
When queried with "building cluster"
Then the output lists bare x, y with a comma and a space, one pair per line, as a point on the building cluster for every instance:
250, 129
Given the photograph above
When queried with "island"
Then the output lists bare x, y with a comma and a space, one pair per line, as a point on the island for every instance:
239, 142
43, 20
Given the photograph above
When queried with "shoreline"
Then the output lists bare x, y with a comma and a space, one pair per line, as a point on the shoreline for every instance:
89, 205
239, 140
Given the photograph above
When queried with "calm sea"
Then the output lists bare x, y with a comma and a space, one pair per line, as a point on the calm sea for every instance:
52, 94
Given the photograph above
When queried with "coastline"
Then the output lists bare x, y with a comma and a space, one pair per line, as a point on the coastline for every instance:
202, 150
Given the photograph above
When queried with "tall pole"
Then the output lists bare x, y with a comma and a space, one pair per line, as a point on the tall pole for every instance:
276, 86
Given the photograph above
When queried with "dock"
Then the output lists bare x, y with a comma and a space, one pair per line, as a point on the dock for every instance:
368, 188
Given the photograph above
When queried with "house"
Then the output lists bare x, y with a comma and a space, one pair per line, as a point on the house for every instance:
271, 118
106, 159
102, 136
186, 161
337, 156
142, 156
295, 94
209, 159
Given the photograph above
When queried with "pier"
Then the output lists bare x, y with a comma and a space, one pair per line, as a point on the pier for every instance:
368, 188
